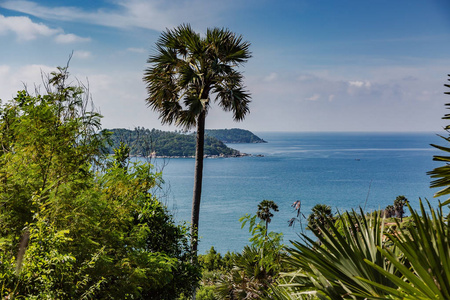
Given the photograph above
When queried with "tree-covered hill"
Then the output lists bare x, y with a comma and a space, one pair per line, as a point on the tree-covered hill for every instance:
146, 142
234, 136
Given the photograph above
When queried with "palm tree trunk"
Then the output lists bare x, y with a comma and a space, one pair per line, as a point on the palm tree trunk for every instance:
199, 151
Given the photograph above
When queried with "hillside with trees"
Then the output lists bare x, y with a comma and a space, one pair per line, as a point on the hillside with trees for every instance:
234, 136
145, 142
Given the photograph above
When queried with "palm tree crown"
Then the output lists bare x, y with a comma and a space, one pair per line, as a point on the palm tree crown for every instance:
264, 211
187, 68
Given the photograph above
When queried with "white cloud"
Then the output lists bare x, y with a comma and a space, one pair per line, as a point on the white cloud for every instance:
82, 54
156, 14
271, 77
305, 77
16, 79
4, 70
137, 50
70, 38
359, 84
314, 97
26, 30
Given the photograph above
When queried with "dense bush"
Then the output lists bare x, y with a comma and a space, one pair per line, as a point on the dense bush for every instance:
73, 224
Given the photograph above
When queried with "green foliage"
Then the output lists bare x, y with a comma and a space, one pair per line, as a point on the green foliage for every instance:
441, 175
187, 67
211, 261
234, 135
256, 268
145, 142
389, 211
424, 263
248, 279
260, 237
68, 231
264, 211
320, 214
48, 269
333, 267
206, 293
121, 155
365, 261
399, 204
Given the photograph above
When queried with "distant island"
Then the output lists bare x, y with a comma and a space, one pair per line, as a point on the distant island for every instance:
158, 143
234, 136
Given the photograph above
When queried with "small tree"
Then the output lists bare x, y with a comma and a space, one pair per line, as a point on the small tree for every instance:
389, 211
264, 211
255, 269
320, 212
399, 205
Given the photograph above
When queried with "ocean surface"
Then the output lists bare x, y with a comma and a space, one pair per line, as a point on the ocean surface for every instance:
343, 170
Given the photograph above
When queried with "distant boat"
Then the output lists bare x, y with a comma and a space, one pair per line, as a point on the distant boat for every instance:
357, 159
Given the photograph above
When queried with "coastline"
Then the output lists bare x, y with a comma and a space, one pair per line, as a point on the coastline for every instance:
205, 156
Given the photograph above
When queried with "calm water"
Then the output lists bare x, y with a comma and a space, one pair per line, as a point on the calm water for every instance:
343, 170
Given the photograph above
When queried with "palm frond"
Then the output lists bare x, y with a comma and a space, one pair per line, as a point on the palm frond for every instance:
187, 66
333, 265
426, 247
442, 173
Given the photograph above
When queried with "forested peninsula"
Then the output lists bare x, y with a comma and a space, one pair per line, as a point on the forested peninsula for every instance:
234, 136
158, 143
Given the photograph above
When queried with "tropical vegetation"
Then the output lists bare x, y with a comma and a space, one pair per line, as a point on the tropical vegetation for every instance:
145, 142
186, 70
366, 261
79, 220
441, 175
74, 224
234, 136
259, 264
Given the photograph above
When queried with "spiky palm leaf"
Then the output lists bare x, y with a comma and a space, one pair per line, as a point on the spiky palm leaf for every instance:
426, 246
441, 175
331, 268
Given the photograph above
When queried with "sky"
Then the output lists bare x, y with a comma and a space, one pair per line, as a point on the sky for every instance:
317, 65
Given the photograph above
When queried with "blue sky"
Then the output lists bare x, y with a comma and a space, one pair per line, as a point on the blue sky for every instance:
317, 65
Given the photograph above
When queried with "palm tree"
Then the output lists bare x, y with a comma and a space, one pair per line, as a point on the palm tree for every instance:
185, 71
319, 214
264, 211
399, 204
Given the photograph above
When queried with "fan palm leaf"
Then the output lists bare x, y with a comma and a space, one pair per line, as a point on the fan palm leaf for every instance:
185, 70
332, 266
442, 173
426, 246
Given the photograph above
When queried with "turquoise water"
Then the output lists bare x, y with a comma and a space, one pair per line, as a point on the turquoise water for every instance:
343, 170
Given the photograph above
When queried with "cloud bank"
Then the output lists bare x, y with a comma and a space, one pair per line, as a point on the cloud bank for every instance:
26, 30
148, 14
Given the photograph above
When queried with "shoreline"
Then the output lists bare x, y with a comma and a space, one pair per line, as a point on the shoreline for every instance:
205, 156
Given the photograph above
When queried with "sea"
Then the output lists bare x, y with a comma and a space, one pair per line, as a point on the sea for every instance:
343, 170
